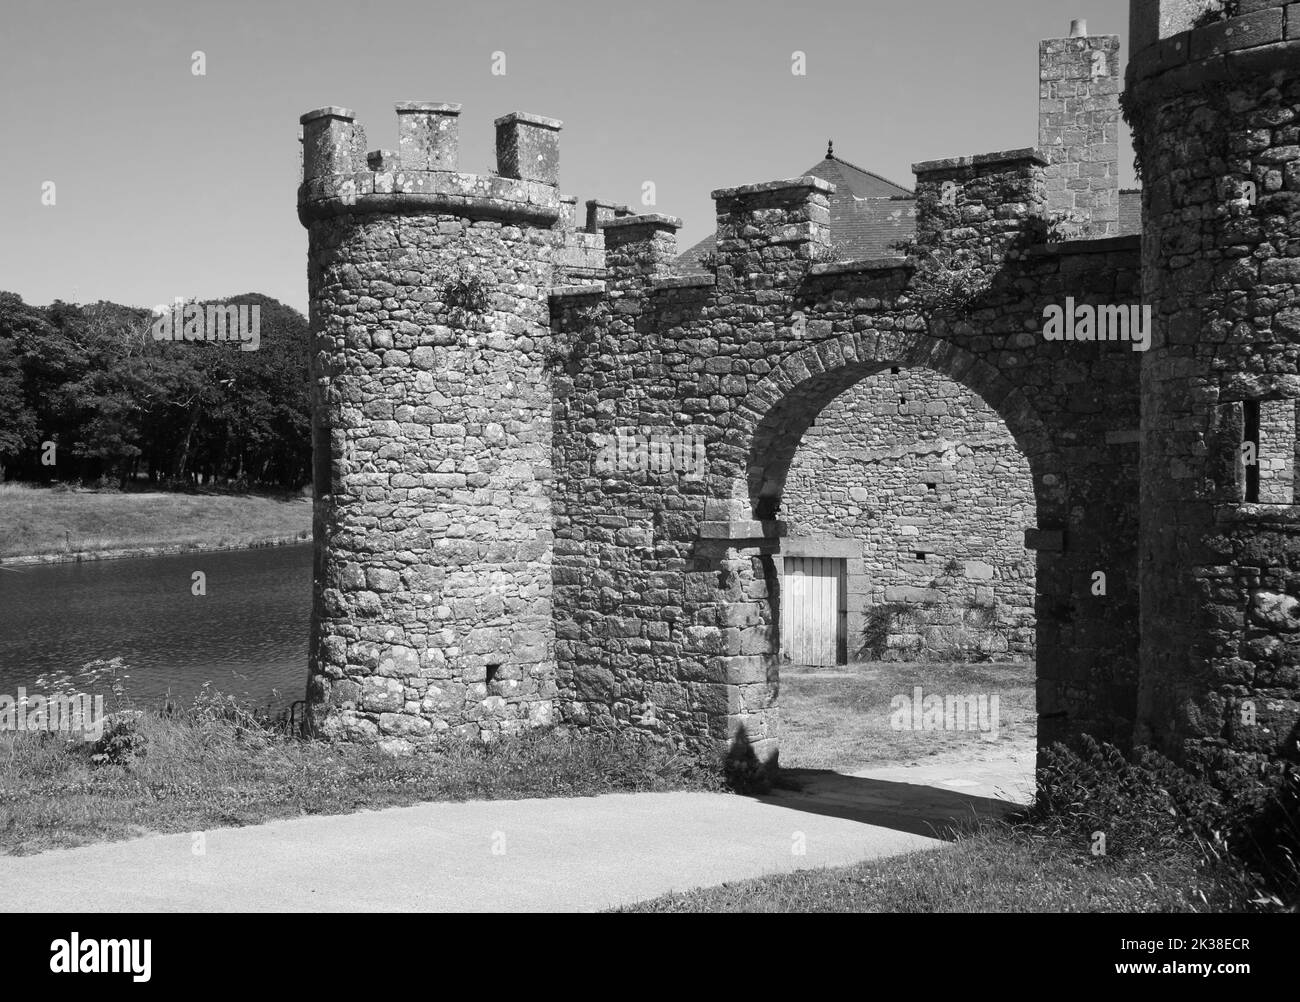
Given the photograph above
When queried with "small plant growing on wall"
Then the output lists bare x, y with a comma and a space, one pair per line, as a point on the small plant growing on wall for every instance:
467, 291
1066, 225
834, 251
1216, 11
944, 284
708, 261
568, 354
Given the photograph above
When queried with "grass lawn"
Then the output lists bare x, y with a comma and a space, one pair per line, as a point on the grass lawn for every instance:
36, 520
197, 771
839, 718
990, 871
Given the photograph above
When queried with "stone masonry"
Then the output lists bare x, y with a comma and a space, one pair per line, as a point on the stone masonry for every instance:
483, 565
925, 478
1078, 130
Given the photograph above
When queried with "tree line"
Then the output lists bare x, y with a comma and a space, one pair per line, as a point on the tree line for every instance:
87, 393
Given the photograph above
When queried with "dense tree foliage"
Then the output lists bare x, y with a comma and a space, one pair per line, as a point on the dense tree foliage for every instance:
118, 404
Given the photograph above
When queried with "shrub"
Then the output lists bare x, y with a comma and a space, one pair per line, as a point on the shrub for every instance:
123, 740
1151, 808
1065, 225
878, 623
944, 283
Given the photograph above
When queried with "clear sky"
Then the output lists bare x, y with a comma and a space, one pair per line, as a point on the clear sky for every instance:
171, 184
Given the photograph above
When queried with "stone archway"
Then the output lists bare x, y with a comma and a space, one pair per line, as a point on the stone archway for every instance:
778, 411
760, 447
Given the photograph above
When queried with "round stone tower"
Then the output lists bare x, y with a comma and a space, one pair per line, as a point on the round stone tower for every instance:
432, 428
1214, 117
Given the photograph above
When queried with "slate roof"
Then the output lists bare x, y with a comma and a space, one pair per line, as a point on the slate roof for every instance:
868, 213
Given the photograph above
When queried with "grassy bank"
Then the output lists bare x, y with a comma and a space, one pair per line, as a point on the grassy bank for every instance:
38, 521
213, 765
991, 871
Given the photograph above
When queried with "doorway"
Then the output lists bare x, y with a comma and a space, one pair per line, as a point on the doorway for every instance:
814, 610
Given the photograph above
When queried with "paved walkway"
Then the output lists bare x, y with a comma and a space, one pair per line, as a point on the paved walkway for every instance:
572, 854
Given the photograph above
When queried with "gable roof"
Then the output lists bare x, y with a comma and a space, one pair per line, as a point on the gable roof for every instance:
868, 213
850, 179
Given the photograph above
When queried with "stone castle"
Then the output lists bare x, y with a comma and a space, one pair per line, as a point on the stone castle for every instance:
488, 561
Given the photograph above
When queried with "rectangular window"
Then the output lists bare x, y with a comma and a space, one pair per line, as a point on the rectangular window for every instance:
1250, 448
1276, 451
1268, 453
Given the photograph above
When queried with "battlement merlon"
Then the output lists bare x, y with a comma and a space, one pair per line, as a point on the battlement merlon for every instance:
599, 212
768, 233
428, 137
639, 249
332, 142
341, 178
528, 147
1170, 55
1149, 21
986, 201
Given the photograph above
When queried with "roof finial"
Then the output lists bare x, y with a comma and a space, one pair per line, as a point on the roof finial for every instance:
830, 149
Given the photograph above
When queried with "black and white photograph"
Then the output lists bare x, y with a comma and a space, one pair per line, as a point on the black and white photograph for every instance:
528, 458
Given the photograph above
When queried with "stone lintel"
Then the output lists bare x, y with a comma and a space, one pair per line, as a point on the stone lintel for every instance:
577, 291
813, 546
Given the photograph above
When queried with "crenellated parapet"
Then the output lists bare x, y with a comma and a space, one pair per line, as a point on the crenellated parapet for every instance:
340, 177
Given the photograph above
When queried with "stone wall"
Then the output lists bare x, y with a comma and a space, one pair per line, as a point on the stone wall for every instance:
1078, 131
1216, 120
489, 556
667, 585
927, 478
432, 401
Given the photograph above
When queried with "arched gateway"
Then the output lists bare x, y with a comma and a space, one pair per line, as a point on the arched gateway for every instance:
549, 468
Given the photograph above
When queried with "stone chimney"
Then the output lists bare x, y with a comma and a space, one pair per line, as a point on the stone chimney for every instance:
1078, 129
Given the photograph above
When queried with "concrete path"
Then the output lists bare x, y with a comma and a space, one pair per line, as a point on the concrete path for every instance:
573, 854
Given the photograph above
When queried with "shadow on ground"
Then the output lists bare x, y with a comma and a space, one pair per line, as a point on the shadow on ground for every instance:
906, 807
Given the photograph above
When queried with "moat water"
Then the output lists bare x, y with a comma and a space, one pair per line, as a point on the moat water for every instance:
247, 636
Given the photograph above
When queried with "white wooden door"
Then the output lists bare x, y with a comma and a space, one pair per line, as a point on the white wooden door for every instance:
813, 610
